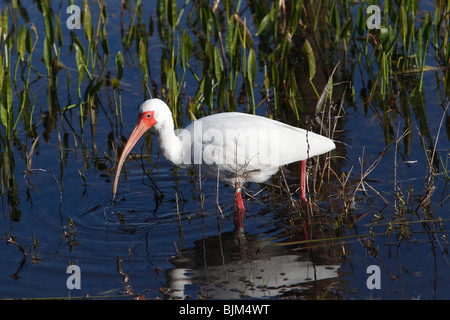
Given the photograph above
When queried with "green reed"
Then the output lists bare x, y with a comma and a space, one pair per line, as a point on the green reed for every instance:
5, 75
267, 57
221, 41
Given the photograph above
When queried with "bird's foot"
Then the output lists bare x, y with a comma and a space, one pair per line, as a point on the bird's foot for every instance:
239, 219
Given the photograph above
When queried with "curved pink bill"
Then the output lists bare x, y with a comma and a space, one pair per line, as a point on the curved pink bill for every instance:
137, 133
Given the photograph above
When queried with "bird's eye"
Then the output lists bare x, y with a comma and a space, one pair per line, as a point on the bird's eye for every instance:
149, 115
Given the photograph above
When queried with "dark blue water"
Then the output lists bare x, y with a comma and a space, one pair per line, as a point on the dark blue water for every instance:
178, 246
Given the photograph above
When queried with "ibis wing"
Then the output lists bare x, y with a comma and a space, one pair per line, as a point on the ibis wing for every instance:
238, 144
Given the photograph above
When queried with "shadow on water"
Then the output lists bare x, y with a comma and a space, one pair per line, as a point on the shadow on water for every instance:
234, 266
226, 265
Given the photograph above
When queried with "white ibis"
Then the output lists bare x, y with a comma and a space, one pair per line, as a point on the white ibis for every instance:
236, 147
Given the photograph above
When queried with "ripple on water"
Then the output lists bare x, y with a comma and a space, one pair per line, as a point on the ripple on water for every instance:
124, 217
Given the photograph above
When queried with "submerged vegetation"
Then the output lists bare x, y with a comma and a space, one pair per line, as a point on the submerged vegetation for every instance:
296, 61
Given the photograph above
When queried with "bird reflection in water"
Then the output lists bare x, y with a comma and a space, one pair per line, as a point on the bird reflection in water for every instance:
232, 266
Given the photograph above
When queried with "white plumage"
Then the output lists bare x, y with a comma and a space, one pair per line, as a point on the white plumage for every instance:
236, 146
246, 148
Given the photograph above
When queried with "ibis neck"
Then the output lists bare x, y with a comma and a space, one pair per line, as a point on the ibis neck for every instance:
169, 143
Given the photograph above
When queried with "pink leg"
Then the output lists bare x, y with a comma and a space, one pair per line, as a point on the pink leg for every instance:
305, 233
239, 223
303, 199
